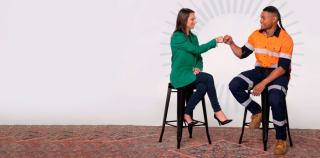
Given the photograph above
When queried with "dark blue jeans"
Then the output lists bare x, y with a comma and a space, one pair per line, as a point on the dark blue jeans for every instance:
204, 84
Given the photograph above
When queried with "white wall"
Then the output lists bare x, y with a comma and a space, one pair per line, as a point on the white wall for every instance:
101, 62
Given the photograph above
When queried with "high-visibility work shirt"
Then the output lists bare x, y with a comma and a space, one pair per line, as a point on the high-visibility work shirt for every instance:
270, 51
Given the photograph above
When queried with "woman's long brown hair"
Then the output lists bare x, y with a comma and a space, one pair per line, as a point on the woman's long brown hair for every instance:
182, 19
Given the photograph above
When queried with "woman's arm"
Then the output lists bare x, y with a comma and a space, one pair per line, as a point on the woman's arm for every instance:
199, 63
180, 41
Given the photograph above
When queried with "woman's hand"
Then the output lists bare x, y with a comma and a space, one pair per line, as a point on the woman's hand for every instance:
219, 39
196, 71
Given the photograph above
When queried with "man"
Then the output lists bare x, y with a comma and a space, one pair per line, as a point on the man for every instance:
273, 49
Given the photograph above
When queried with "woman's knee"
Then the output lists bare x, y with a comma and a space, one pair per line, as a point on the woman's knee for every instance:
201, 88
209, 78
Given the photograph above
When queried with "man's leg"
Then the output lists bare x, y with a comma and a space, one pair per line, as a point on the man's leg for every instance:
246, 81
277, 93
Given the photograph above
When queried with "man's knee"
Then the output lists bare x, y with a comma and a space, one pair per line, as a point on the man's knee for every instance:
234, 84
276, 98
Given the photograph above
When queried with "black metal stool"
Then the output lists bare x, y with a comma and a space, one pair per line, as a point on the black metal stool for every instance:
184, 94
265, 119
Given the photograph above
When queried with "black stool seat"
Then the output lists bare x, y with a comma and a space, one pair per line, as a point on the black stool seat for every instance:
265, 119
184, 94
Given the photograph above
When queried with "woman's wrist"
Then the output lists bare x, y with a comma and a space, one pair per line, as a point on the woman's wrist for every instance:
217, 40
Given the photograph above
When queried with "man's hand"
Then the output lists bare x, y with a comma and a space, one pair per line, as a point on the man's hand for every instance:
235, 49
227, 39
196, 71
257, 90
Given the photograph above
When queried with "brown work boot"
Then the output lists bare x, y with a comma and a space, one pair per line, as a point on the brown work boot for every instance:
281, 147
255, 121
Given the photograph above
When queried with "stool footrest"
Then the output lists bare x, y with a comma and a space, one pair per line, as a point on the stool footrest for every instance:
247, 124
200, 124
170, 125
183, 126
268, 128
172, 121
198, 121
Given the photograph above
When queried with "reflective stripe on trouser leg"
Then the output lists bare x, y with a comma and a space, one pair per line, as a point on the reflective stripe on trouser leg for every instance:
246, 103
237, 86
279, 123
250, 83
279, 88
277, 95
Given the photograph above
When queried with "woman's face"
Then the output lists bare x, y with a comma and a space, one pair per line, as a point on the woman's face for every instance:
191, 21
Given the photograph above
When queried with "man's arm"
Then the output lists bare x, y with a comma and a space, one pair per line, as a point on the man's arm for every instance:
243, 52
235, 49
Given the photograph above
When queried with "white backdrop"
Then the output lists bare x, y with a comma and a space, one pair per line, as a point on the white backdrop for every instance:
108, 62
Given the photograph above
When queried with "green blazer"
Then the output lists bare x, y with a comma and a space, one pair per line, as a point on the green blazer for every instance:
185, 56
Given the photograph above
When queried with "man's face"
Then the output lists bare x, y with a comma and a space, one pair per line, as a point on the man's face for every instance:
267, 20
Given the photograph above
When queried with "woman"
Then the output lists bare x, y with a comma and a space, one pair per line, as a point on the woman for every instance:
186, 68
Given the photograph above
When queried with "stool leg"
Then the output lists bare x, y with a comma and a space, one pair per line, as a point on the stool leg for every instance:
288, 123
244, 120
181, 104
243, 124
205, 119
165, 113
188, 96
265, 121
190, 128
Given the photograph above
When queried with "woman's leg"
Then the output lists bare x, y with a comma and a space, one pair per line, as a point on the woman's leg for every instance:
211, 90
206, 78
195, 98
204, 83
